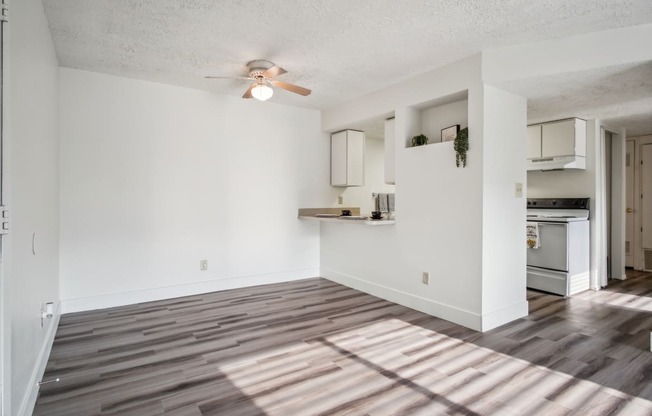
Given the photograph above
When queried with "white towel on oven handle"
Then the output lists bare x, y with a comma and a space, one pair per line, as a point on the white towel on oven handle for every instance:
532, 234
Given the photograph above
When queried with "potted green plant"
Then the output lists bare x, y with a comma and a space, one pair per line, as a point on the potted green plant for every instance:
419, 140
461, 146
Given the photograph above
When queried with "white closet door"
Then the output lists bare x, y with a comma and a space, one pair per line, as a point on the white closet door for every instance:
629, 204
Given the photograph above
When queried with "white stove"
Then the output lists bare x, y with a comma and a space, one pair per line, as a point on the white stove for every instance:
558, 209
558, 243
558, 215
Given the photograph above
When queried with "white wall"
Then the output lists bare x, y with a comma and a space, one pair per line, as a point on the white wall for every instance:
374, 171
433, 120
29, 280
503, 225
156, 178
440, 209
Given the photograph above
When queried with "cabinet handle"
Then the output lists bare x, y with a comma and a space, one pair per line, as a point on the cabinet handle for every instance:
629, 210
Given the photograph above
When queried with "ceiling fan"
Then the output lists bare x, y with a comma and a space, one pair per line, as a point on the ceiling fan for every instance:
262, 73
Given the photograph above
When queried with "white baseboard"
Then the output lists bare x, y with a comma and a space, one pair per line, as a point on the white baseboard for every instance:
459, 316
29, 400
502, 316
147, 295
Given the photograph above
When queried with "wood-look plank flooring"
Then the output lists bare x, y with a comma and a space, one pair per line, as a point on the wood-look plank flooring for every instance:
315, 347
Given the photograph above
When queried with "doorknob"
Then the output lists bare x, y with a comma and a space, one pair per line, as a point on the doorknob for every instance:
629, 210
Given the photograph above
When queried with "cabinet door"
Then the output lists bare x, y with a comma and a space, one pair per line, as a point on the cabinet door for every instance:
534, 142
355, 158
338, 159
390, 152
558, 139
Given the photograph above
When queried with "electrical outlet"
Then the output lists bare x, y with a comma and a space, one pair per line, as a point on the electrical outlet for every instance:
203, 265
425, 278
340, 200
518, 190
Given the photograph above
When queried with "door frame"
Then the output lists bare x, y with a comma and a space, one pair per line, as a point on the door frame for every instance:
618, 203
4, 323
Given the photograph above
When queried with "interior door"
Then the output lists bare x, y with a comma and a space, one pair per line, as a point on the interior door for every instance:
646, 203
629, 203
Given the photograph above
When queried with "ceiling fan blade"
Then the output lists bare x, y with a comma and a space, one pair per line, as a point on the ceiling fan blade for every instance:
247, 93
274, 72
215, 77
291, 87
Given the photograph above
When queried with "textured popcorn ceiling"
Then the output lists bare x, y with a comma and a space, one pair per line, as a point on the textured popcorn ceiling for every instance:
619, 95
340, 49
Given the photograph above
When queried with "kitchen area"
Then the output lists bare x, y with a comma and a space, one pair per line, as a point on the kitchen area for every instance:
575, 182
450, 249
358, 170
424, 257
557, 229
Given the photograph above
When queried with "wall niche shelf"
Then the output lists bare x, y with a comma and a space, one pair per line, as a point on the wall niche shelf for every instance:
429, 118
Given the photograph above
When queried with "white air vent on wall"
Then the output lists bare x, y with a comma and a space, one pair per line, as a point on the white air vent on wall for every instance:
647, 256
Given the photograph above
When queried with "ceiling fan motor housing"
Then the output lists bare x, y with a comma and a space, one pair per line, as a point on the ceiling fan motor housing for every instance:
258, 67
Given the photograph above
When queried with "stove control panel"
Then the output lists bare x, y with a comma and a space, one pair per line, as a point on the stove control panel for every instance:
558, 203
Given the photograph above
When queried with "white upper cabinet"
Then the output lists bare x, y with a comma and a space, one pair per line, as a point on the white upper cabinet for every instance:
556, 139
390, 152
534, 141
347, 158
564, 138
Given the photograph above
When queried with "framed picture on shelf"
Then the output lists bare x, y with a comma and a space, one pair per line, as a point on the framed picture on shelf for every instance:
449, 133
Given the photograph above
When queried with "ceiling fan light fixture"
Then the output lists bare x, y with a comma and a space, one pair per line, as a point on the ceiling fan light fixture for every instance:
262, 92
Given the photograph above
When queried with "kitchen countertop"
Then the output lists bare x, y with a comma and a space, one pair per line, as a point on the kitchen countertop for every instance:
341, 221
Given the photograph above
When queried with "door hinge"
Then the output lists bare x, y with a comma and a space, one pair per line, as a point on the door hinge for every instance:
4, 16
4, 220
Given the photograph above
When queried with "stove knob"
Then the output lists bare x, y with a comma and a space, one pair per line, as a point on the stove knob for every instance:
554, 202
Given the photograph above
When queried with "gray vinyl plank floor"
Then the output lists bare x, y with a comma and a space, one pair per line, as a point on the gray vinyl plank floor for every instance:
315, 347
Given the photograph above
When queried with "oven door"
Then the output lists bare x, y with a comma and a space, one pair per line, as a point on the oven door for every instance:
553, 247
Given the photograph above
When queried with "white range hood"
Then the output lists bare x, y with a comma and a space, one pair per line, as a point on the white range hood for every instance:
556, 163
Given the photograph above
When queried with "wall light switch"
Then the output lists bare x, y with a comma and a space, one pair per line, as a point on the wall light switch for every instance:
518, 190
340, 199
203, 265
